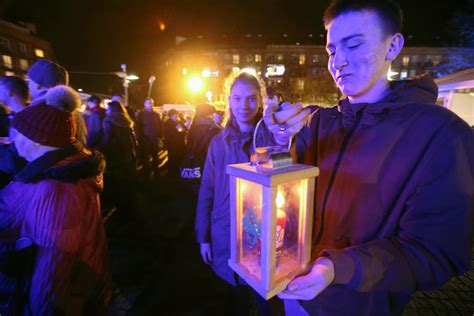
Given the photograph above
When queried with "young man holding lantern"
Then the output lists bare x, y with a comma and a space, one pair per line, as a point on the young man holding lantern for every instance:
394, 199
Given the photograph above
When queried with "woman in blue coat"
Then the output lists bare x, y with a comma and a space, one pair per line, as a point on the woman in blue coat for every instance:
233, 145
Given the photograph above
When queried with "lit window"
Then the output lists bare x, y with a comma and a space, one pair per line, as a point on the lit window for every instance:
300, 84
7, 61
403, 74
280, 57
235, 59
406, 60
184, 71
302, 59
258, 58
24, 64
412, 73
39, 53
249, 58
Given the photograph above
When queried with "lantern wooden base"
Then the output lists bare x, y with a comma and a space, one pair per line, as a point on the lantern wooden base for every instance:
286, 267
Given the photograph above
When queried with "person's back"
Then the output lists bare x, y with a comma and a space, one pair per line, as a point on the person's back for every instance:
54, 201
93, 120
118, 143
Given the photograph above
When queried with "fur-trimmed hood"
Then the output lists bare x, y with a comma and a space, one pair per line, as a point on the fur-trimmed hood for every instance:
69, 164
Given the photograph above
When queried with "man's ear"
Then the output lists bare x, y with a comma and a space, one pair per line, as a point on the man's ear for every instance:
395, 46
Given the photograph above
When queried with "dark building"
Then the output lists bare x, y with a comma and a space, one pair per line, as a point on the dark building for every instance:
19, 48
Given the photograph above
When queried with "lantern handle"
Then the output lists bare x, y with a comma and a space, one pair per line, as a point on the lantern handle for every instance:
255, 137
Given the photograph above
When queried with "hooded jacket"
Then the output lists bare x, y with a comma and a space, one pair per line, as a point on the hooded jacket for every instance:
119, 145
394, 199
54, 201
93, 122
213, 210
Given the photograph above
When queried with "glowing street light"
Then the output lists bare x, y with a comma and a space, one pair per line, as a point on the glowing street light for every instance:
195, 84
206, 73
132, 77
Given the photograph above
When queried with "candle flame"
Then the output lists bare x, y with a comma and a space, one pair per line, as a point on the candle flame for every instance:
280, 200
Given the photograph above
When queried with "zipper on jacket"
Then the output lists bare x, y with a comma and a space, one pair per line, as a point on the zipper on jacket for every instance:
342, 150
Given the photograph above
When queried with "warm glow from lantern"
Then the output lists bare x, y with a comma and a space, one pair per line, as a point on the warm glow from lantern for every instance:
280, 200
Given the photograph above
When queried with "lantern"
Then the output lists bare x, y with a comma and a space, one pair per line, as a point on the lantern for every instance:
271, 223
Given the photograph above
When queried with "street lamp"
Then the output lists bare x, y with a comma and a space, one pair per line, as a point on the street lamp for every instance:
126, 80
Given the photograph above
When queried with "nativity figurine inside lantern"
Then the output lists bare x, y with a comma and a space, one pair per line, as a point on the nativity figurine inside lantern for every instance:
271, 220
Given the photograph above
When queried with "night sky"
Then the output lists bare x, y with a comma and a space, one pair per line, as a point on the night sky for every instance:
99, 35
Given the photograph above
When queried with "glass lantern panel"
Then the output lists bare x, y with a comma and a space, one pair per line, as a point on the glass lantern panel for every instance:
291, 207
249, 210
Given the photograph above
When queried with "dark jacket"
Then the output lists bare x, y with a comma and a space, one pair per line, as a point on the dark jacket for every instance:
174, 133
213, 211
93, 122
10, 163
54, 201
148, 127
119, 145
394, 199
199, 136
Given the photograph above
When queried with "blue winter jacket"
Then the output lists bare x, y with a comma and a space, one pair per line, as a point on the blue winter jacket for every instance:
213, 210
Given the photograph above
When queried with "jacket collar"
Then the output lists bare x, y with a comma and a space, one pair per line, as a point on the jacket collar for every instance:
34, 170
421, 89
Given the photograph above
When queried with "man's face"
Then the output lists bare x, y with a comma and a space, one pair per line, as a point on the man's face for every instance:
149, 104
91, 104
357, 48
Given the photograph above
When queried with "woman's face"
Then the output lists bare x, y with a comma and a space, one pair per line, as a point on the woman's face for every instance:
25, 146
244, 101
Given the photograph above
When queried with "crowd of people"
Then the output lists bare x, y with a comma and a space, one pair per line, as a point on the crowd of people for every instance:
393, 202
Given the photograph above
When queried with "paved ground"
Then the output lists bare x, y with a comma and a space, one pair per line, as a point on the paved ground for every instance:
157, 268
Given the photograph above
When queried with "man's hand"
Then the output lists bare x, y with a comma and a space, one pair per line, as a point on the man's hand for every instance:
309, 286
286, 120
206, 253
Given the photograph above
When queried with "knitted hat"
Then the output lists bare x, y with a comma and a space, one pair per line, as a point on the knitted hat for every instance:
48, 74
50, 123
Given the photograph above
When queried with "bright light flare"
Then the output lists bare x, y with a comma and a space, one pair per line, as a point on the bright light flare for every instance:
132, 77
206, 73
195, 84
162, 26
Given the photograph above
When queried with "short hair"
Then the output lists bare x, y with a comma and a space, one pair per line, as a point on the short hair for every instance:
15, 84
172, 112
388, 11
94, 99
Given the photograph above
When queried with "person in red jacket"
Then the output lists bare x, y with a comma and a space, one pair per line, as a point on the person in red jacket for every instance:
394, 198
54, 201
